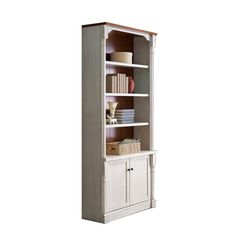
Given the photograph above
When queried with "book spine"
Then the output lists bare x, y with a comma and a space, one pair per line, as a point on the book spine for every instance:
124, 87
108, 84
116, 84
118, 79
112, 85
121, 84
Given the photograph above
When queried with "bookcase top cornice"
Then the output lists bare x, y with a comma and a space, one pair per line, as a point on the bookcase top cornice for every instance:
120, 26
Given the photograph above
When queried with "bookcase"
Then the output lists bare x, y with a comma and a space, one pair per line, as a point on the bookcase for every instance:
114, 186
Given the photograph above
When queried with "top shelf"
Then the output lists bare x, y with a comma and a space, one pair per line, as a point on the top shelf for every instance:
114, 63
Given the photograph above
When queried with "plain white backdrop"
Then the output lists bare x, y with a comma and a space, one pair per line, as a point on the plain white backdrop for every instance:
195, 116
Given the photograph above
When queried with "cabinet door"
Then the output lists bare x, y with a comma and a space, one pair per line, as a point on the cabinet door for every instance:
117, 185
140, 182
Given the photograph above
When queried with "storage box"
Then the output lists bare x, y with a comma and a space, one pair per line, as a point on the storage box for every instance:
119, 148
125, 57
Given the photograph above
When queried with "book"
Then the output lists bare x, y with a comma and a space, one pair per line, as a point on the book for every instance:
113, 85
117, 83
127, 84
109, 84
125, 110
125, 122
123, 83
121, 79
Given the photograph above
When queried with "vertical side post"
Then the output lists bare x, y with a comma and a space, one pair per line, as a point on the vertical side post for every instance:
153, 163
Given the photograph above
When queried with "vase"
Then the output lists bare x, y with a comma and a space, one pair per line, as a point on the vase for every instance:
131, 85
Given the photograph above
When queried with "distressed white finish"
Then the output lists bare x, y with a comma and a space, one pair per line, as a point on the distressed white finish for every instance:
111, 28
153, 163
127, 125
109, 189
128, 182
114, 215
117, 188
152, 44
128, 94
114, 63
125, 156
139, 179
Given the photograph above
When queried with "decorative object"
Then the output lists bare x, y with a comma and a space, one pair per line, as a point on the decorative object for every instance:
111, 118
125, 57
131, 85
111, 121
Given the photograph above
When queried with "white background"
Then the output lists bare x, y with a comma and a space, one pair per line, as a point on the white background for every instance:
195, 113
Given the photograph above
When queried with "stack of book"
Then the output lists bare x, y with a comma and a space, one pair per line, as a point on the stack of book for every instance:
124, 116
117, 83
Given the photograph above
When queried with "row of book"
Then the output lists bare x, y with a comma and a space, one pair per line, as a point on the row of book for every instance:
124, 116
117, 83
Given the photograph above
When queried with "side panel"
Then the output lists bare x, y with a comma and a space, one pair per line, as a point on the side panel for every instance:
92, 123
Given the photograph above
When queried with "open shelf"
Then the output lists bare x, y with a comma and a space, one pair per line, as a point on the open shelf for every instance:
127, 94
137, 154
114, 63
127, 125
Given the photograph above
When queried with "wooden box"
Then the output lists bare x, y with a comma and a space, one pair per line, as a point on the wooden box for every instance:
117, 148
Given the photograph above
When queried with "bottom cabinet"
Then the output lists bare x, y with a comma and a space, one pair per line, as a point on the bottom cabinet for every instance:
140, 183
127, 182
117, 187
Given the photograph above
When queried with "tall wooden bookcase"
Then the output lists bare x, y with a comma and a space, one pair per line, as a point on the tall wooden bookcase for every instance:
115, 186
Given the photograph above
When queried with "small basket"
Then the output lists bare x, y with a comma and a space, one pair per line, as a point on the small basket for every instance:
119, 148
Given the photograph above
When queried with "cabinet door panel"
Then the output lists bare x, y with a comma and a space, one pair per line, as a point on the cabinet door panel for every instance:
117, 185
140, 182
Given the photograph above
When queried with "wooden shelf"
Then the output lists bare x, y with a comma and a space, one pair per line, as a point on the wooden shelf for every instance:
137, 154
127, 94
127, 125
114, 63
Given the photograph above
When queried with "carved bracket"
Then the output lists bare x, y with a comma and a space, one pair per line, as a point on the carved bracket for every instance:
108, 30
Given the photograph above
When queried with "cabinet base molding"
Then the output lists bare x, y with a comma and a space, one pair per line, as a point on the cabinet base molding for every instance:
127, 211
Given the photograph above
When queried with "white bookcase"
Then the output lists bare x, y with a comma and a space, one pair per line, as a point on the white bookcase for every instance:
115, 186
